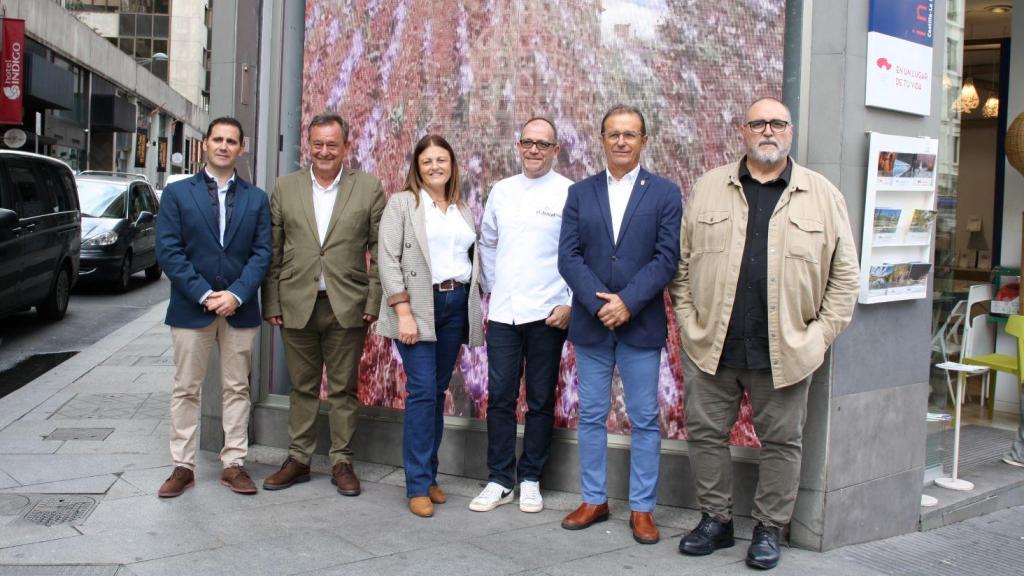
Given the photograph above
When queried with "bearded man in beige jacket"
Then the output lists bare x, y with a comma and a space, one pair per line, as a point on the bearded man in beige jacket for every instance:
767, 279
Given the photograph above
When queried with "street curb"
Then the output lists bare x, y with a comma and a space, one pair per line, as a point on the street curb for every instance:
28, 397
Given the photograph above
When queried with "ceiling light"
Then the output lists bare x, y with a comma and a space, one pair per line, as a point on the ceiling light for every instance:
969, 99
999, 8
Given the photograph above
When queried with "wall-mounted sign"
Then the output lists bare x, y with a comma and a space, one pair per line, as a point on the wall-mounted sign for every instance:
12, 71
899, 67
141, 145
15, 138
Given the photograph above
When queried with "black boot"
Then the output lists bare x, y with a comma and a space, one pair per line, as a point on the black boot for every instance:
764, 550
708, 536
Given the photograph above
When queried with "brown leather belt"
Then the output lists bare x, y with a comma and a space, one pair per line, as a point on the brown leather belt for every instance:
321, 294
448, 285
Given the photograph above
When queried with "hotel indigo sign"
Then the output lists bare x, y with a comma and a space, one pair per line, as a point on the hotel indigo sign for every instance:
12, 71
899, 67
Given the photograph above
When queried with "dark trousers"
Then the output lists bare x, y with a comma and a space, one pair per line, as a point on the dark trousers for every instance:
508, 345
428, 371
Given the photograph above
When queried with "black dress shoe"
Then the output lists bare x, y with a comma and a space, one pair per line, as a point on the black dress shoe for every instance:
764, 547
708, 536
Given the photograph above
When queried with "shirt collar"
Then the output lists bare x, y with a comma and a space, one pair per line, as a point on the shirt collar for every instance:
541, 180
325, 188
783, 178
219, 187
628, 178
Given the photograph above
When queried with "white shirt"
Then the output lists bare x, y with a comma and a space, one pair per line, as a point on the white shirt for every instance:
519, 248
323, 207
449, 238
222, 201
618, 197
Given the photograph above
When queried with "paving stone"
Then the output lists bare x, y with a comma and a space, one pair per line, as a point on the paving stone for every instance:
87, 485
28, 446
284, 554
550, 544
122, 489
37, 469
65, 570
144, 444
454, 558
125, 546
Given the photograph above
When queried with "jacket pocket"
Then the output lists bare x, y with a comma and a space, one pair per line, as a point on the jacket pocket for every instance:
805, 239
711, 233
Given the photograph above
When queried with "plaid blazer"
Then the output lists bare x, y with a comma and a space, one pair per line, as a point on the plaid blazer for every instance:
403, 258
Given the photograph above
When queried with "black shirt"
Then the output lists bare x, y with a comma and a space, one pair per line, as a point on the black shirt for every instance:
746, 342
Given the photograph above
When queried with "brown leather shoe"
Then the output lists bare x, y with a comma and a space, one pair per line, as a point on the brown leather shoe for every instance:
421, 506
436, 494
238, 479
291, 472
585, 515
180, 479
644, 530
344, 477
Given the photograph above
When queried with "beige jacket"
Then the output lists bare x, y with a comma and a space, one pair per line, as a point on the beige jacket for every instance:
298, 259
404, 258
813, 275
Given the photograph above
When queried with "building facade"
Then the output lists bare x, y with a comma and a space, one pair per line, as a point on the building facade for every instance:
475, 71
95, 106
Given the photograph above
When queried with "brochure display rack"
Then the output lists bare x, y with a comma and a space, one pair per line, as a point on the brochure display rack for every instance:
899, 218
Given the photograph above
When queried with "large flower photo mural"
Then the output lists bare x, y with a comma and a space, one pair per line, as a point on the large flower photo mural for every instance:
473, 72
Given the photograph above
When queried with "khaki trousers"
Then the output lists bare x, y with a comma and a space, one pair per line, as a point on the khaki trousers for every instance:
712, 404
192, 348
307, 350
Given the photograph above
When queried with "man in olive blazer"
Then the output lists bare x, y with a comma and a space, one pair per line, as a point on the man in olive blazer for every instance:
324, 220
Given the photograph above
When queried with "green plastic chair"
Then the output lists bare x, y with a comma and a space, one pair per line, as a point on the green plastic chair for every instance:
1005, 362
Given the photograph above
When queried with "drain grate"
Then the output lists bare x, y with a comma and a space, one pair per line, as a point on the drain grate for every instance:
79, 434
64, 509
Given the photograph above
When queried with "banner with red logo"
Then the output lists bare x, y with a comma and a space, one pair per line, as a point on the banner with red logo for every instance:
12, 72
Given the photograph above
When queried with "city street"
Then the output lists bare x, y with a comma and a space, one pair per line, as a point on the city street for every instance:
94, 312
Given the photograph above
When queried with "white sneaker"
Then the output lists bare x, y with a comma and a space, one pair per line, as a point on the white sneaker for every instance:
492, 496
1008, 458
530, 499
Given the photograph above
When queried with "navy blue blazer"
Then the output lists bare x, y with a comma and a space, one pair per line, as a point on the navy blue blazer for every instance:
188, 249
637, 267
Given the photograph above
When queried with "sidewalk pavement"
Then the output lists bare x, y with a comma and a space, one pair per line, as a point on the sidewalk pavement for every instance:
83, 450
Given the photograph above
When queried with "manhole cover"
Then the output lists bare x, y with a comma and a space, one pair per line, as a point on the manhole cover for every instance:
65, 509
79, 434
12, 504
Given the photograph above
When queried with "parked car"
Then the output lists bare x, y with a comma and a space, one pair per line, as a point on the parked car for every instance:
40, 234
119, 212
171, 180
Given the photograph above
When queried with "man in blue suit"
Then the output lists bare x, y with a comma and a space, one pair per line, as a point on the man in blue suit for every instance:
619, 248
213, 242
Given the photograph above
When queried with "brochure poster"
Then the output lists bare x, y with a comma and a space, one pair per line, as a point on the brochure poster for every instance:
899, 218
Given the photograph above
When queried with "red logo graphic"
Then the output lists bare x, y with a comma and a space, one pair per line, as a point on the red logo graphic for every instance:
883, 63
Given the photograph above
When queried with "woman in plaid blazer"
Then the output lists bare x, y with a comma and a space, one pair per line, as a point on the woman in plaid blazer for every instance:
429, 274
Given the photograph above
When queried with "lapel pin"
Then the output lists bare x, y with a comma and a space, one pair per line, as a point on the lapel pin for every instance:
643, 182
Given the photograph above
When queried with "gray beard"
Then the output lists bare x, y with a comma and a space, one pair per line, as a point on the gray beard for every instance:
769, 158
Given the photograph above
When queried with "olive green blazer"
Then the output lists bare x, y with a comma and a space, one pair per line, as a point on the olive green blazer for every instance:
298, 259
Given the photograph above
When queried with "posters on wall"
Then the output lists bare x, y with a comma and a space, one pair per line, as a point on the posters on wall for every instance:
899, 67
161, 154
899, 218
141, 146
474, 72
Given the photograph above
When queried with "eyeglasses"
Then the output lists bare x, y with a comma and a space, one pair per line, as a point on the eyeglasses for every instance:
540, 144
758, 126
628, 136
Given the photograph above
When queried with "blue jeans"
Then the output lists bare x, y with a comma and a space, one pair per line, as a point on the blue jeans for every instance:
428, 371
639, 368
508, 345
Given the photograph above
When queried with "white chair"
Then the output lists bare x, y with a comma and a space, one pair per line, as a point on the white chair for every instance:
977, 337
947, 340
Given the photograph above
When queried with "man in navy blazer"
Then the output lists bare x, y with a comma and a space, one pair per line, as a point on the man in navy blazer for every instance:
619, 248
213, 242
